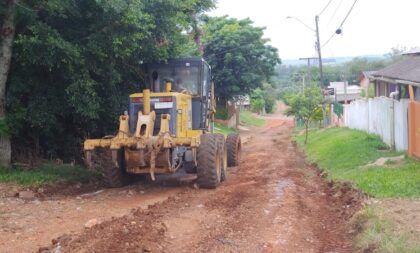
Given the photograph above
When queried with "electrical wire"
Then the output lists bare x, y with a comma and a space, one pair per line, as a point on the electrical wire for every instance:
348, 13
328, 40
335, 12
342, 23
326, 6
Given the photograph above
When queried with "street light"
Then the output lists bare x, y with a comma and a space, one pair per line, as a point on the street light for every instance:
300, 21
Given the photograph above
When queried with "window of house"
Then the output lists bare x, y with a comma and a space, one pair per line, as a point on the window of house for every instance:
416, 93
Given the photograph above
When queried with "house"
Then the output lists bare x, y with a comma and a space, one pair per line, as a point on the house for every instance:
243, 101
365, 79
393, 80
402, 80
344, 93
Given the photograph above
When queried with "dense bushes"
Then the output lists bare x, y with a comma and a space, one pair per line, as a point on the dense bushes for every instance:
263, 99
75, 62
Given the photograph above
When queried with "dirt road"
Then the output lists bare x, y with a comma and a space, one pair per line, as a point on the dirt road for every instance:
272, 202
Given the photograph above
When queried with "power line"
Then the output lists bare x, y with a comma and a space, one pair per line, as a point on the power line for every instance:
326, 6
335, 12
348, 13
328, 40
342, 23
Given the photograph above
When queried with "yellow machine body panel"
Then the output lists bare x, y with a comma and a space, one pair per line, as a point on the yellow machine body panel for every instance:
184, 112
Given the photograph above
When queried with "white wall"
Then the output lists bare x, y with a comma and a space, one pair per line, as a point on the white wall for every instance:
401, 124
383, 116
380, 118
356, 115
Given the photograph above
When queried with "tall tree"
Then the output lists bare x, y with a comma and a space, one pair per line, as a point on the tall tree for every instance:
240, 57
75, 62
305, 105
7, 35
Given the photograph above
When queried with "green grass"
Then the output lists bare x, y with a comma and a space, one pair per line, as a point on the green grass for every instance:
222, 129
46, 174
378, 234
393, 181
221, 112
342, 153
248, 119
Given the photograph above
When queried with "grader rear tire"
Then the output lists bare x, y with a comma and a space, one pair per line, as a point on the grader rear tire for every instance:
113, 176
234, 146
223, 154
208, 161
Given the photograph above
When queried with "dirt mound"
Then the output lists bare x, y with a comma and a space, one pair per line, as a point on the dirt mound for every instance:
140, 231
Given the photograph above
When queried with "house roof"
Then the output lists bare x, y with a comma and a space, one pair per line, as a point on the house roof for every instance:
406, 70
369, 74
413, 51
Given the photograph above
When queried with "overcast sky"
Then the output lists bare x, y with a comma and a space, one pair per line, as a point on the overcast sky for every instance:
373, 27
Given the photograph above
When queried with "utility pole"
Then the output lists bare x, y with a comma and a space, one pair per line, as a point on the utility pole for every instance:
308, 59
318, 47
345, 92
303, 84
321, 75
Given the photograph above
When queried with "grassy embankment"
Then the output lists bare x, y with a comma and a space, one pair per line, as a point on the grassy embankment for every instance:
46, 174
344, 154
223, 129
246, 119
250, 120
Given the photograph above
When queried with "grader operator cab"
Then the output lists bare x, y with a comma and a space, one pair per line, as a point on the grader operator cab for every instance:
168, 127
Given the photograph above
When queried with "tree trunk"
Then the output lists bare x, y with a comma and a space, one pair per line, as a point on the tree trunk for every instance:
306, 132
198, 34
7, 34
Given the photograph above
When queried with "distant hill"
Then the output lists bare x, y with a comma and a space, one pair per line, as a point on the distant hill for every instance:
335, 60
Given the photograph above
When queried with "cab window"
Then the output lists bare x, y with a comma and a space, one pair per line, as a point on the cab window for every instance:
206, 80
184, 78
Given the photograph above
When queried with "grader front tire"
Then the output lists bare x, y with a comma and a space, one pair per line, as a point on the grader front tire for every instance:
208, 161
113, 176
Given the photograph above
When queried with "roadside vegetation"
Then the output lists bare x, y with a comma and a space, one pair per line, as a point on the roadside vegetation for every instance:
305, 106
347, 156
344, 153
223, 129
240, 71
250, 120
246, 118
263, 100
46, 174
379, 233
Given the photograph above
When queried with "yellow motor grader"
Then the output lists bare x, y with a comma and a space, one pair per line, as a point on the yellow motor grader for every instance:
168, 127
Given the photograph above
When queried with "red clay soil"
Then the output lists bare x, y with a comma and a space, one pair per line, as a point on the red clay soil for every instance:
273, 202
